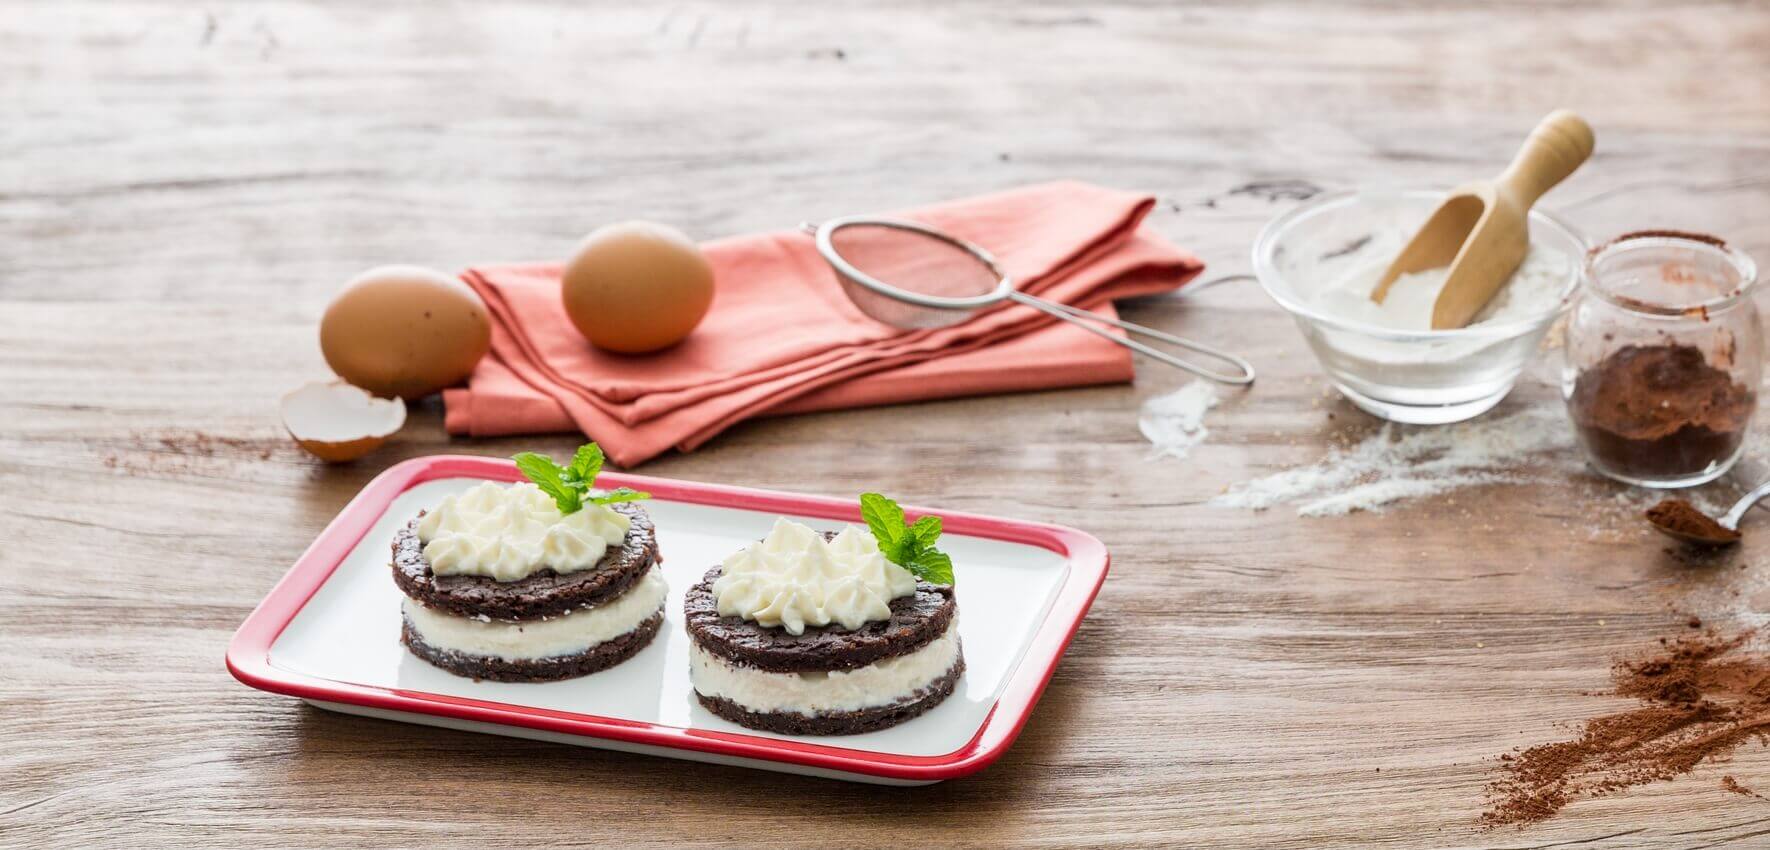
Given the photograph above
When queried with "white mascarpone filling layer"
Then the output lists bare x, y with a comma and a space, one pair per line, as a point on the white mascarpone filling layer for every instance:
567, 634
880, 683
793, 578
512, 532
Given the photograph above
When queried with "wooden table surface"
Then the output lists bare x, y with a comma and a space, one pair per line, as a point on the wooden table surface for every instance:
182, 186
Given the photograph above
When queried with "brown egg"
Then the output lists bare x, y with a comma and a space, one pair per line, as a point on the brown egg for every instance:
636, 287
405, 331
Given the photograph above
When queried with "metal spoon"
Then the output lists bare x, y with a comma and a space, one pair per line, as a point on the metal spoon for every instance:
1698, 527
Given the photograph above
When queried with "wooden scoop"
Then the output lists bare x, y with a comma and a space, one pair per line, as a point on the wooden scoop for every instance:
1481, 230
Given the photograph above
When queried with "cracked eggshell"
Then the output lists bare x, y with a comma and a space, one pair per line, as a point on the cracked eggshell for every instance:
337, 422
405, 331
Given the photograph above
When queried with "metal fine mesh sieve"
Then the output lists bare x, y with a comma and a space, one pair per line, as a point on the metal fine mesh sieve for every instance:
910, 275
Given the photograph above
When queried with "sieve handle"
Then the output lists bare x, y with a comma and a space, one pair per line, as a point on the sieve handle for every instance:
1090, 322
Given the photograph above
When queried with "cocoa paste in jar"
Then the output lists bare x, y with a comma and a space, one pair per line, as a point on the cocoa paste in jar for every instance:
1660, 411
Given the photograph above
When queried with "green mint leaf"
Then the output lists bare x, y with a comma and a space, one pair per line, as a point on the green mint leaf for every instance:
550, 477
932, 567
926, 530
910, 547
900, 551
569, 486
586, 464
620, 494
884, 518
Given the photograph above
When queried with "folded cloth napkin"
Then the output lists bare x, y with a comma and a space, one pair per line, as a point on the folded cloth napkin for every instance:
782, 337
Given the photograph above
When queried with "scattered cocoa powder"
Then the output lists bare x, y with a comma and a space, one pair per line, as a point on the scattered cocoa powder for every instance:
1733, 785
1700, 698
206, 445
1716, 241
190, 451
1681, 519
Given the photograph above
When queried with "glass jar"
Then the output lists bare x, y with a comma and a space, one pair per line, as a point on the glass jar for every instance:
1663, 357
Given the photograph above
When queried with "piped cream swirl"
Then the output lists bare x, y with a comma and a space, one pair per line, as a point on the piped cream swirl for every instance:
509, 532
794, 578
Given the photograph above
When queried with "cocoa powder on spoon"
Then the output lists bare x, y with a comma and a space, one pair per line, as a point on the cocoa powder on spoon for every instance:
1682, 520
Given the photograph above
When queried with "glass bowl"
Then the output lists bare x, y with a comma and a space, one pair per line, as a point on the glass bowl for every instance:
1420, 377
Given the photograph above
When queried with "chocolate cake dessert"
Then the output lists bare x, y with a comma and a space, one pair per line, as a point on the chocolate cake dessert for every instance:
818, 634
501, 585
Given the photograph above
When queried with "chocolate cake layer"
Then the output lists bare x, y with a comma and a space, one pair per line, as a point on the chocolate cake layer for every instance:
599, 657
543, 594
915, 621
839, 722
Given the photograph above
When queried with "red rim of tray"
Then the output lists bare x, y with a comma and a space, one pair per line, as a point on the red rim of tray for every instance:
248, 655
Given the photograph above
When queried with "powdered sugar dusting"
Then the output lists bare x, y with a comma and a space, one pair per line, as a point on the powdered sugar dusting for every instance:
1175, 422
1408, 462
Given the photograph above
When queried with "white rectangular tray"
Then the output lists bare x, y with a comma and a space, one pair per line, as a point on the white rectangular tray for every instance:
329, 633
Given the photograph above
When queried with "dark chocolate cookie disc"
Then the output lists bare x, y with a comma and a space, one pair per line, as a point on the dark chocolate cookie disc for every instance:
916, 620
542, 594
840, 722
599, 657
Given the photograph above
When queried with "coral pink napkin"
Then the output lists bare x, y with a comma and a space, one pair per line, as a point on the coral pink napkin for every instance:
782, 337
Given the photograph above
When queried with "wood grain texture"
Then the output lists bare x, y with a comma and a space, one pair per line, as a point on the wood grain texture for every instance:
183, 185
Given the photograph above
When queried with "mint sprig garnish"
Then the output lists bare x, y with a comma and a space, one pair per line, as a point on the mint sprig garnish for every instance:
906, 545
570, 486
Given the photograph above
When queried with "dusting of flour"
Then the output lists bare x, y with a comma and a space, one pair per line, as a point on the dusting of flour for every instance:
1175, 422
1533, 290
1403, 462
